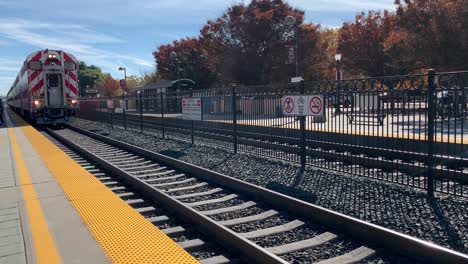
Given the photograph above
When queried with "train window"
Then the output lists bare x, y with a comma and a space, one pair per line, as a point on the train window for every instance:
35, 65
70, 66
53, 80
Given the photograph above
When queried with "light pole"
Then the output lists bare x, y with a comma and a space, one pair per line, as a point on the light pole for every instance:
338, 83
176, 62
292, 21
100, 105
125, 84
125, 72
141, 110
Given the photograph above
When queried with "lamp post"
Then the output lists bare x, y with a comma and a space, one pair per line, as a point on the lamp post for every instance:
100, 105
292, 21
125, 84
125, 72
141, 110
176, 63
338, 83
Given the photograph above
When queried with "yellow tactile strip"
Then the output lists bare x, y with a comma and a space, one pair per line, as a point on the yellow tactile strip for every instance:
124, 234
44, 245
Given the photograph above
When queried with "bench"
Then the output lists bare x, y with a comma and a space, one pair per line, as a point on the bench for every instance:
379, 117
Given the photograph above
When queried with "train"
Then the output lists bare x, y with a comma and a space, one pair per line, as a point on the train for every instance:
46, 89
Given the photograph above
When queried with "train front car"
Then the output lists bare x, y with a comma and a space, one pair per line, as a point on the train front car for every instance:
46, 89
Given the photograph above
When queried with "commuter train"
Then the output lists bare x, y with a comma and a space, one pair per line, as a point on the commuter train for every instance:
46, 89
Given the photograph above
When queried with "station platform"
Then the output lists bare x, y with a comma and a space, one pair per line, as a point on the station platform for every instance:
54, 211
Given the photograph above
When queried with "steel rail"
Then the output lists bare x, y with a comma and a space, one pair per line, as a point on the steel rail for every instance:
396, 242
216, 231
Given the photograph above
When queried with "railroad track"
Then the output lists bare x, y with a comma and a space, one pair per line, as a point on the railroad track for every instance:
385, 164
202, 248
255, 224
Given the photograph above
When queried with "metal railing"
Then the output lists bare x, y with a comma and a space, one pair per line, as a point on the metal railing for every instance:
408, 129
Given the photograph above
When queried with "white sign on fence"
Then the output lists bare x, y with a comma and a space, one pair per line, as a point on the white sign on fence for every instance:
192, 108
296, 79
302, 105
110, 104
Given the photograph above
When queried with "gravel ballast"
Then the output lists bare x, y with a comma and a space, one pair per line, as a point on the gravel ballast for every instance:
442, 220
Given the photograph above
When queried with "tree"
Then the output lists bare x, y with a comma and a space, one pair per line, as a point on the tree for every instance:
110, 87
247, 43
89, 76
134, 81
431, 34
362, 44
190, 60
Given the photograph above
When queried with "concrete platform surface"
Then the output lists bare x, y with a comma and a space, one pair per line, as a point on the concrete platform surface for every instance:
71, 239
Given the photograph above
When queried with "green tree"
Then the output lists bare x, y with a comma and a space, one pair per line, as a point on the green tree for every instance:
89, 76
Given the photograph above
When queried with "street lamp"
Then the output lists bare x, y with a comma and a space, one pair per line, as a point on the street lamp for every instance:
125, 75
176, 62
338, 65
291, 21
338, 79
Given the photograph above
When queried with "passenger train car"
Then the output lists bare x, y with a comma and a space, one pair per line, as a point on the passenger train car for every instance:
46, 88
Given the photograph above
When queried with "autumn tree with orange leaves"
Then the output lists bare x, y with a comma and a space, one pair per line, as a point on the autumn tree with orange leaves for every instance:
247, 44
110, 87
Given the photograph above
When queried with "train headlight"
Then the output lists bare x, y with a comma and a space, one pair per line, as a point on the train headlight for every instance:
73, 101
37, 103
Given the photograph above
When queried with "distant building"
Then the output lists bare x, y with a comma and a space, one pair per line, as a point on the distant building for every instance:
166, 86
170, 89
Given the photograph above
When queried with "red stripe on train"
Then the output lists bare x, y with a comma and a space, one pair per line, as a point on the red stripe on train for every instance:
72, 75
37, 56
71, 87
37, 86
66, 57
33, 76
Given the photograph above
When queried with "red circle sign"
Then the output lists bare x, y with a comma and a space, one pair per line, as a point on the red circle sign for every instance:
288, 105
315, 105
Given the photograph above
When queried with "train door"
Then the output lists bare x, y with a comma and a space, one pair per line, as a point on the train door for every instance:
54, 90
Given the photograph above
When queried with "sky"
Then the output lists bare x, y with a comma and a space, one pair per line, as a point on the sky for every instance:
124, 33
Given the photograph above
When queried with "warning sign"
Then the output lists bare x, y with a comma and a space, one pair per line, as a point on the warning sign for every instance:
288, 105
192, 108
303, 105
315, 105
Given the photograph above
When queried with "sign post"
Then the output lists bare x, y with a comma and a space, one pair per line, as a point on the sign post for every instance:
303, 106
192, 110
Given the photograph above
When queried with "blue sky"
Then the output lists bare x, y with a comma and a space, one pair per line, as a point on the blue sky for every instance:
114, 33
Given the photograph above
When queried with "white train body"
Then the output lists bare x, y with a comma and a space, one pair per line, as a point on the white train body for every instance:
46, 88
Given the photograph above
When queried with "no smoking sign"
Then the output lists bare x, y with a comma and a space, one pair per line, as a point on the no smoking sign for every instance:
303, 105
315, 105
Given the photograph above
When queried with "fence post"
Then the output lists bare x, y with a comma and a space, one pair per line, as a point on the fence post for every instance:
430, 132
303, 128
140, 97
124, 111
111, 120
162, 113
191, 121
234, 117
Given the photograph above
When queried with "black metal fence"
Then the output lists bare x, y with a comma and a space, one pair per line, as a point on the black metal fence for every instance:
407, 129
